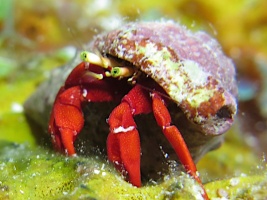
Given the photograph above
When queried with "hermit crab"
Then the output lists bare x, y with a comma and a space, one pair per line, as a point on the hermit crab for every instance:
163, 68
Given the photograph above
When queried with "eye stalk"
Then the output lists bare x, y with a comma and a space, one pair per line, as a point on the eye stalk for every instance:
95, 59
113, 70
122, 72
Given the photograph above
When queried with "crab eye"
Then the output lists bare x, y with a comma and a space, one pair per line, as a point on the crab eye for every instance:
84, 56
115, 72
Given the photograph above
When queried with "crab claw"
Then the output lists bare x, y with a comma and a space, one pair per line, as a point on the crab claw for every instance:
66, 119
123, 143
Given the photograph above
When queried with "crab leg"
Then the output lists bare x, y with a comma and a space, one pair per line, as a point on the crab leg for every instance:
123, 143
175, 138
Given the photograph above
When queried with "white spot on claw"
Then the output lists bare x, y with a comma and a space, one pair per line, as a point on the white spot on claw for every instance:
123, 130
84, 93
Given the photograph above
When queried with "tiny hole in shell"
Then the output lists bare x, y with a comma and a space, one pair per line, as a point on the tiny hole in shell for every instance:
224, 112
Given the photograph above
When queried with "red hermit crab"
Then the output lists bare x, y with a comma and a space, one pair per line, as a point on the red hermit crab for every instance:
146, 68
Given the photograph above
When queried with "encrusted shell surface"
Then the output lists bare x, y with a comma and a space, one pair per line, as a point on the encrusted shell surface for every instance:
190, 67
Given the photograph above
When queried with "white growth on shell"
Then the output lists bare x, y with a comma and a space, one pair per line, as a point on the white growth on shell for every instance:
197, 77
177, 78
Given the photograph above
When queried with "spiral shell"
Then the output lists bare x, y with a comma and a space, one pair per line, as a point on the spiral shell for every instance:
189, 66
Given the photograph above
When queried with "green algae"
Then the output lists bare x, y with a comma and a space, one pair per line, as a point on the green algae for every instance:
36, 173
15, 121
32, 175
246, 187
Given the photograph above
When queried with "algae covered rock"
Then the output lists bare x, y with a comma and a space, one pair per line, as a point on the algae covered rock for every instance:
36, 173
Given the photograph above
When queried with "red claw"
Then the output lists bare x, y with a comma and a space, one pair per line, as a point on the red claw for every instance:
66, 119
123, 142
